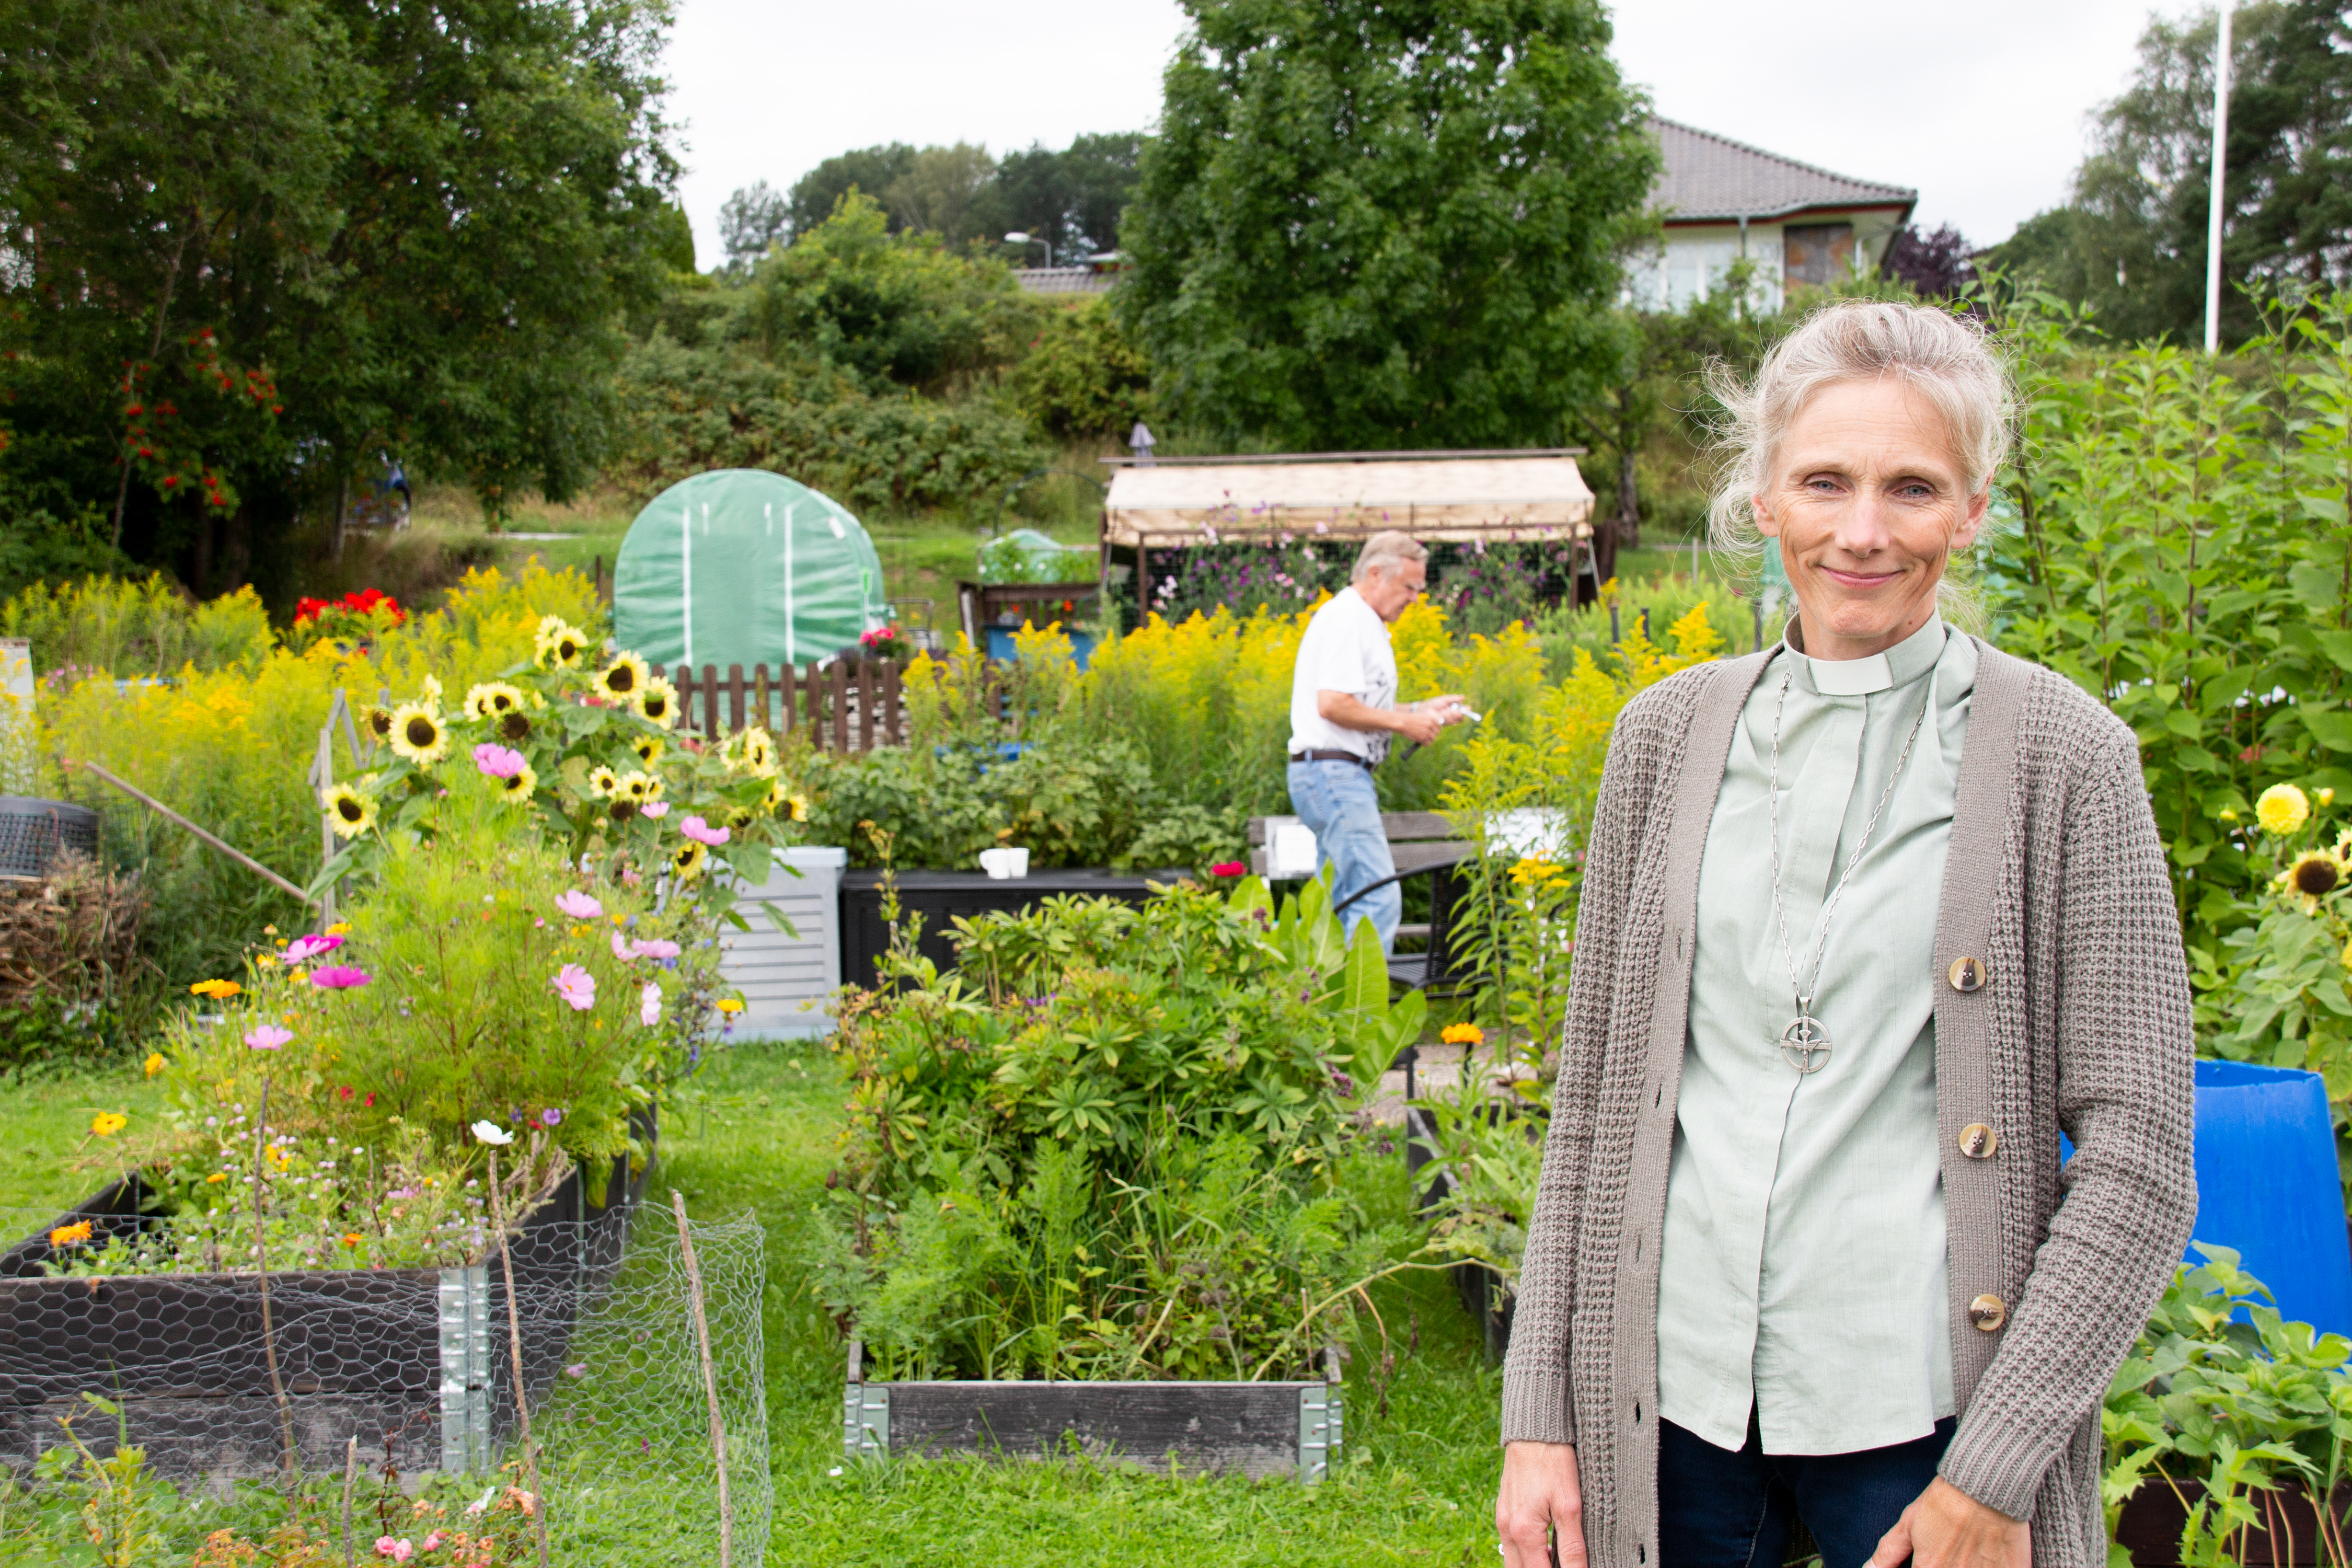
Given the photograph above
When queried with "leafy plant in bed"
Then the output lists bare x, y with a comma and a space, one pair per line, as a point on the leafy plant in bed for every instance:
1103, 1149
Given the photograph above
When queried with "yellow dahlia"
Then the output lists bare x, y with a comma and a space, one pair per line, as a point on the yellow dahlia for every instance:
2281, 809
418, 734
349, 812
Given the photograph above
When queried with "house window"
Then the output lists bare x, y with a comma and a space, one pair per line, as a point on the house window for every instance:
1817, 253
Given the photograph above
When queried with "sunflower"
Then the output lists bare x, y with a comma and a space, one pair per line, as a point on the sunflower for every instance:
491, 700
517, 789
379, 722
349, 812
637, 787
513, 726
687, 859
646, 748
753, 750
418, 734
559, 643
625, 679
2281, 809
659, 702
780, 800
602, 782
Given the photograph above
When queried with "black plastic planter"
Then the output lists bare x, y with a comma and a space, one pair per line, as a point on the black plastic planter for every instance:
940, 896
1257, 1429
412, 1362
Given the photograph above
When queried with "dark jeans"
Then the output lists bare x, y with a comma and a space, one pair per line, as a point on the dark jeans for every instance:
1721, 1509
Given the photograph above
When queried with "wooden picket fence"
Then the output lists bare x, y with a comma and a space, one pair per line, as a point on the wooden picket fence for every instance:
845, 707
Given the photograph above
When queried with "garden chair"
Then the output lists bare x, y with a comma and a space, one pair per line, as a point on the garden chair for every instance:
1422, 843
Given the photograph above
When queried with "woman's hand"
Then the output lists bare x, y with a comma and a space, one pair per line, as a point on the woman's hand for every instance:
1539, 1511
1944, 1528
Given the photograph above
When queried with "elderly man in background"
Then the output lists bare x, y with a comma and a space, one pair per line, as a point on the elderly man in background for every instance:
1342, 711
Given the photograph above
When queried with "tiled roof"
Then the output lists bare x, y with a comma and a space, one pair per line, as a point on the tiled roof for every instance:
1711, 177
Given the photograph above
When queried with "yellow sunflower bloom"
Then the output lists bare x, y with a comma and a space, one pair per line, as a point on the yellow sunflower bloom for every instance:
658, 702
492, 700
2316, 872
517, 789
638, 787
623, 680
688, 860
646, 748
559, 644
602, 782
418, 734
2281, 809
752, 750
349, 812
107, 1123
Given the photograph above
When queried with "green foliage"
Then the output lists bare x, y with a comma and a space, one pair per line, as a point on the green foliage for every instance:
1071, 199
2219, 1389
684, 411
1069, 801
817, 194
1104, 1147
895, 309
136, 629
1083, 376
1361, 226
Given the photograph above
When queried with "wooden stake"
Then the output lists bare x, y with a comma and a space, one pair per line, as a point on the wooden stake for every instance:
709, 1383
514, 1345
261, 1268
351, 1479
157, 806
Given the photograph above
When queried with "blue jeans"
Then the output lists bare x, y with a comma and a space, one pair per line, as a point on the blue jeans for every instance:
1721, 1509
1337, 801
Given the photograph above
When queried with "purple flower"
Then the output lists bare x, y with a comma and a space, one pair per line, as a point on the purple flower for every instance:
550, 1116
578, 905
267, 1036
577, 987
577, 1369
343, 978
701, 832
498, 761
303, 948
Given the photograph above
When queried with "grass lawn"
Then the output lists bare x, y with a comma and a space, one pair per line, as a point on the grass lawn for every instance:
1414, 1485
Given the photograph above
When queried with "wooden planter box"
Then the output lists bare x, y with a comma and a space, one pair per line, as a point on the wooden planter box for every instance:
412, 1362
2154, 1515
1258, 1430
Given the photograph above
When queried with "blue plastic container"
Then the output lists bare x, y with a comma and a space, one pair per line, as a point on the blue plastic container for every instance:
2267, 1185
1000, 644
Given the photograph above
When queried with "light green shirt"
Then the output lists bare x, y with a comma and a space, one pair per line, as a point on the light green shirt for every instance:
1802, 1269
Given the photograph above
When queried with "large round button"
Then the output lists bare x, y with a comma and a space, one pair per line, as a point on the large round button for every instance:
1978, 1142
1969, 974
1988, 1312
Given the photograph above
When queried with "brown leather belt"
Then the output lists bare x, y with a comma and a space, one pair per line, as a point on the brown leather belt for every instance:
1321, 756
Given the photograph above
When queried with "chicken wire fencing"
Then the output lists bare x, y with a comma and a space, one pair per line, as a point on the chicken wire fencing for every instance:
347, 1416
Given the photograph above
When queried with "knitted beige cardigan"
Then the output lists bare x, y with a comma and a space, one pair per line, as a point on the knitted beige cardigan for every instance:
2056, 883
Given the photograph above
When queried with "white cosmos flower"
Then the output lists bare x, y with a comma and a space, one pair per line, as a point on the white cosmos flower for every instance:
490, 1133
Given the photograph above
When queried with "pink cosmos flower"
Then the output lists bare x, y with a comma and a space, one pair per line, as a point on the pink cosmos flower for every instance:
649, 1003
267, 1036
578, 905
654, 948
654, 808
701, 832
621, 948
498, 761
343, 978
303, 948
577, 987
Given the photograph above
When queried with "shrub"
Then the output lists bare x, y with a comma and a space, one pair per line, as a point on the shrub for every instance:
1108, 1149
136, 629
1082, 377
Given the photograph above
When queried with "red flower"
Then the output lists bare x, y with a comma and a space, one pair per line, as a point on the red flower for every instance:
1228, 868
171, 479
308, 610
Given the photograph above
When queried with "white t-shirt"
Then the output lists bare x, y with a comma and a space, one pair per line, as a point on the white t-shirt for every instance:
1346, 649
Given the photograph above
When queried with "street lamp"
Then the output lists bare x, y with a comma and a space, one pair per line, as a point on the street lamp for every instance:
1018, 238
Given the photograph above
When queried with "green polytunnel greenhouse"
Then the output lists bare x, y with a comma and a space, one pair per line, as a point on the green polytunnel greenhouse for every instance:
743, 566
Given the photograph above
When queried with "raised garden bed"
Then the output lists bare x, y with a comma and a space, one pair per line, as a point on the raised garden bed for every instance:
412, 1362
940, 896
1257, 1429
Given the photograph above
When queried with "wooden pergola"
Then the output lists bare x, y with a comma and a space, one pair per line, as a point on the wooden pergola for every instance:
1182, 503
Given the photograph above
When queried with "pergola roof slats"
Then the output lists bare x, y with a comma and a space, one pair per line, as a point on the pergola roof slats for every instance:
1435, 496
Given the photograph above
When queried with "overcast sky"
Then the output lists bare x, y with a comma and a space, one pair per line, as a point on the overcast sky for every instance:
1981, 108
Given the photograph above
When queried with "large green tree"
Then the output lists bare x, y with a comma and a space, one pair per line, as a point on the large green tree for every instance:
251, 243
2131, 245
1367, 224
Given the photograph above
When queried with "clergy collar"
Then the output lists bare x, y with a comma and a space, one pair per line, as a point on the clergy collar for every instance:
1904, 663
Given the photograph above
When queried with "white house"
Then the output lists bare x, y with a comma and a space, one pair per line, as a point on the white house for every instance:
1723, 199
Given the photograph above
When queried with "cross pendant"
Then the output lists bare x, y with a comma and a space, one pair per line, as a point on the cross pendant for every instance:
1805, 1044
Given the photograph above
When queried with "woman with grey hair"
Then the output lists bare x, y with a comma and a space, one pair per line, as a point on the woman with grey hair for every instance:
1867, 920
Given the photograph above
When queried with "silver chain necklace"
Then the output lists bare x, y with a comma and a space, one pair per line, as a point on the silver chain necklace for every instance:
1805, 1043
